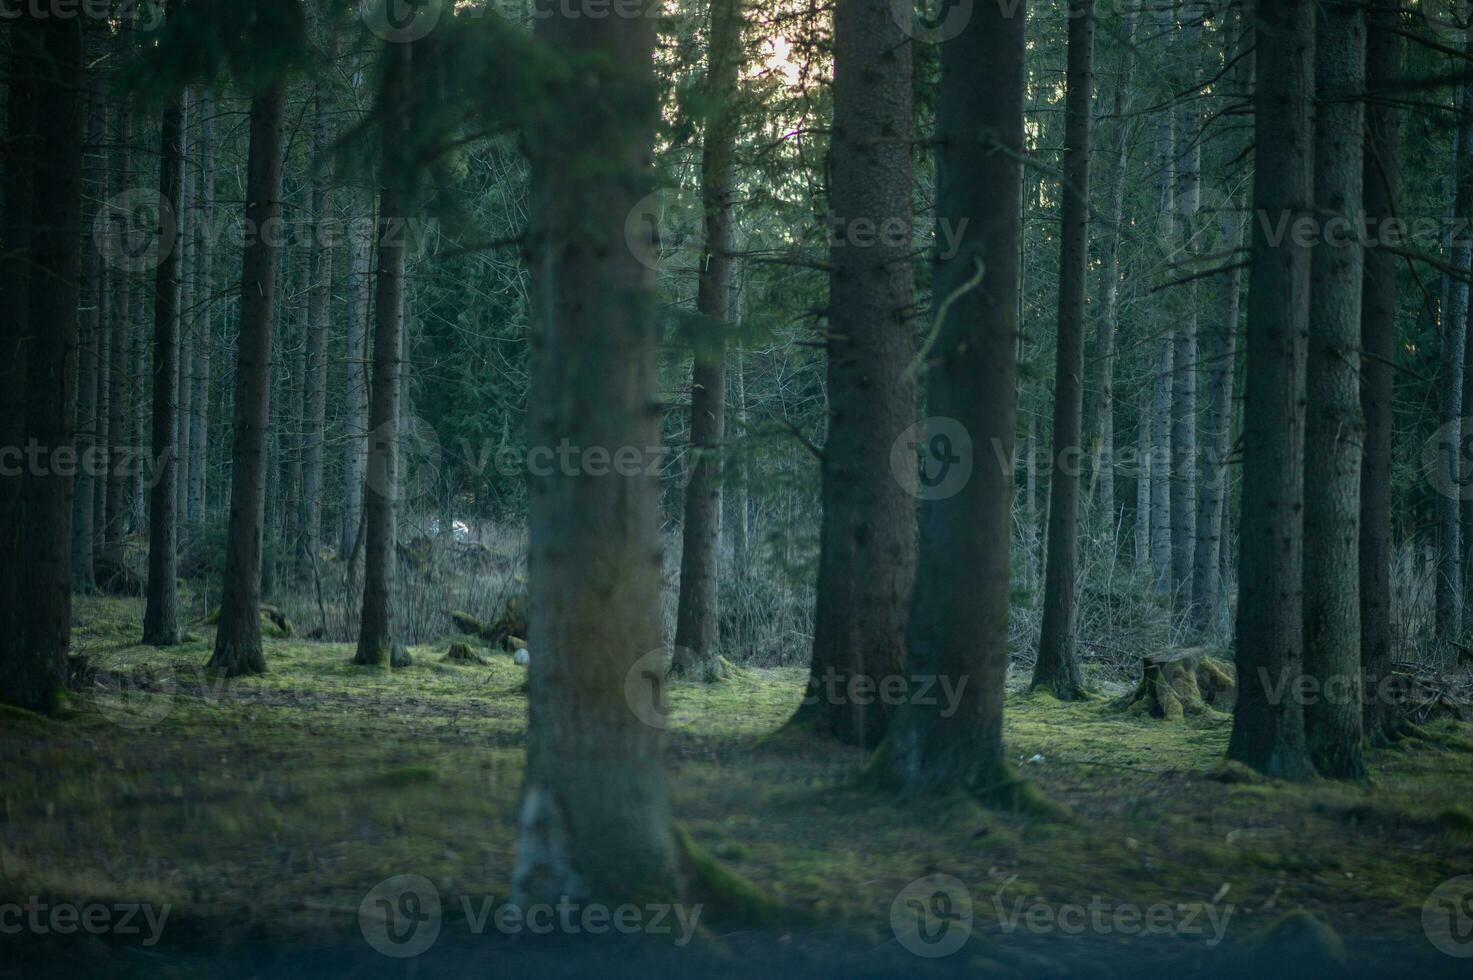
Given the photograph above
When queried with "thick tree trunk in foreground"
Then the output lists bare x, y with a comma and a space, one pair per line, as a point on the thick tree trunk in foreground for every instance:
19, 148
377, 643
1335, 427
161, 613
959, 612
238, 636
697, 636
1268, 722
1382, 719
867, 537
1057, 667
33, 660
595, 816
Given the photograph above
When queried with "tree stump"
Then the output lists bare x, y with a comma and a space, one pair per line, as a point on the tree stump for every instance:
1179, 682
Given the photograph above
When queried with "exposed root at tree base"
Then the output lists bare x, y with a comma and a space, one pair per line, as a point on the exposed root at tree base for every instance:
732, 898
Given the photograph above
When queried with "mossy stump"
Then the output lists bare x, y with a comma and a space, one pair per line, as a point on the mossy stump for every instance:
461, 653
1179, 682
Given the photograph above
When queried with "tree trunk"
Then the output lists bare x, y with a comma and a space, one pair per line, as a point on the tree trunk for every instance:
739, 526
1335, 427
161, 613
1143, 487
1268, 728
91, 327
1449, 590
1382, 720
1102, 410
19, 148
595, 816
1057, 667
114, 565
377, 643
199, 403
1209, 597
1160, 450
238, 635
33, 660
139, 408
1184, 354
360, 232
185, 397
867, 537
697, 617
959, 612
319, 310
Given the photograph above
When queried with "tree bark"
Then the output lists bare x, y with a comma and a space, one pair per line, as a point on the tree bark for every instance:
1268, 727
1184, 354
199, 403
91, 328
33, 661
1209, 599
959, 613
1102, 408
19, 149
360, 236
697, 617
595, 817
161, 611
1449, 590
867, 536
1143, 485
185, 398
121, 458
238, 635
1381, 720
319, 309
1335, 427
1161, 431
377, 643
1057, 667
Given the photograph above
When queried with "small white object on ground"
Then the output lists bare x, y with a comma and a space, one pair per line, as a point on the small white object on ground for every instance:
520, 658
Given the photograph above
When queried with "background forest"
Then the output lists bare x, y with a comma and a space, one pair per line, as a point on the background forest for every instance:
504, 452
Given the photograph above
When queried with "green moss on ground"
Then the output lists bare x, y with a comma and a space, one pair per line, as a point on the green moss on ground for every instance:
280, 800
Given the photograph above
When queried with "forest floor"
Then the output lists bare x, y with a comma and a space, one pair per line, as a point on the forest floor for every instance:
262, 812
